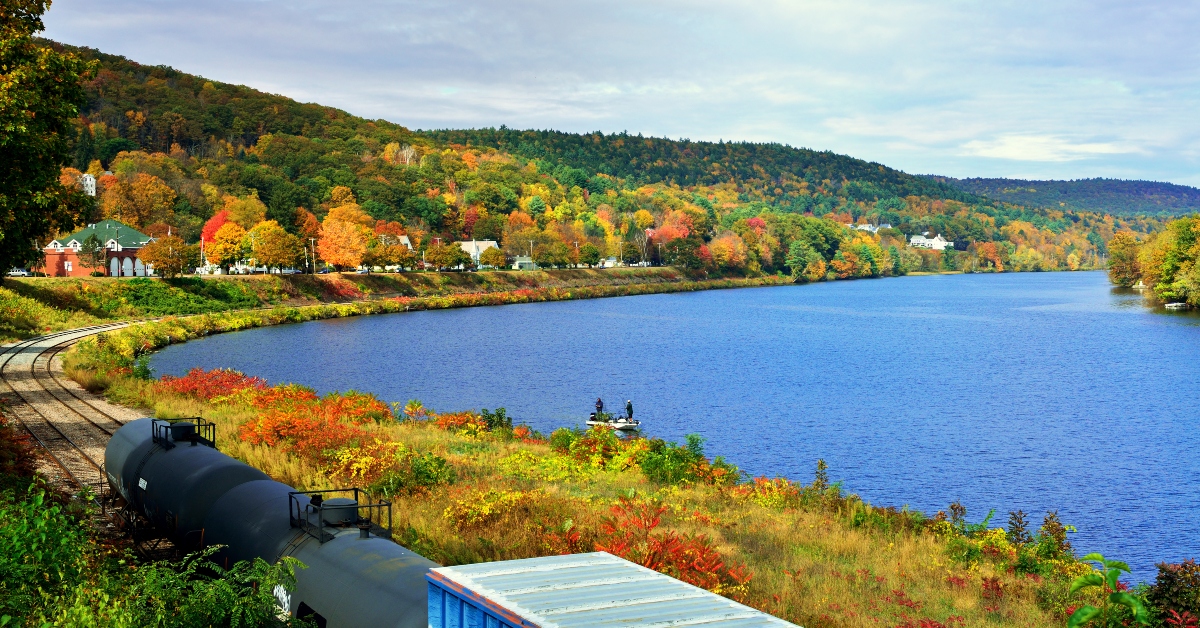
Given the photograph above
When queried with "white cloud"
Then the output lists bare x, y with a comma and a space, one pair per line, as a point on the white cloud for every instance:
1039, 148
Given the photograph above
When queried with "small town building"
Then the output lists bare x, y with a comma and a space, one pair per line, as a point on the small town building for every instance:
937, 243
475, 248
88, 183
120, 242
524, 263
869, 227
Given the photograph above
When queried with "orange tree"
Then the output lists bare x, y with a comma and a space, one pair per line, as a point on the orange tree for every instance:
170, 255
342, 243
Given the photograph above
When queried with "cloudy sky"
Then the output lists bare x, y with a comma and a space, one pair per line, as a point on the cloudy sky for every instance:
1049, 89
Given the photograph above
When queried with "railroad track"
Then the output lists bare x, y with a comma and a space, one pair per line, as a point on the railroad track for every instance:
70, 424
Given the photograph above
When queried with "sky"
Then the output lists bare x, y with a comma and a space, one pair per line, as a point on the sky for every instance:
964, 88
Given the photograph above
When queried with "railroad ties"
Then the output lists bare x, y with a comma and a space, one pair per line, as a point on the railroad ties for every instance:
70, 424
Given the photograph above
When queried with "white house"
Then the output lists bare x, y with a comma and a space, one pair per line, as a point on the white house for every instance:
523, 262
88, 183
475, 248
937, 243
870, 228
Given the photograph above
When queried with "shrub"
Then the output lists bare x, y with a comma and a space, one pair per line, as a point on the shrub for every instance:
415, 474
1176, 588
477, 508
210, 384
562, 438
631, 533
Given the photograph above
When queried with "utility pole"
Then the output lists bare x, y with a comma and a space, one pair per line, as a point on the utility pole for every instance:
313, 242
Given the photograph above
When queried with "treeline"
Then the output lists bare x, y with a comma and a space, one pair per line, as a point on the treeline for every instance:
1110, 196
785, 175
178, 154
1164, 263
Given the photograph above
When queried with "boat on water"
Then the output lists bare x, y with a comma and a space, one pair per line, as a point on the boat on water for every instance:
616, 423
1176, 306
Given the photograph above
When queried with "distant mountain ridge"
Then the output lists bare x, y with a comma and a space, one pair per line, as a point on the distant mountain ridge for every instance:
1111, 196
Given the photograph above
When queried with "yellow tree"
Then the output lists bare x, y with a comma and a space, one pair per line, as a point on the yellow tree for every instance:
247, 212
226, 247
342, 243
1123, 268
273, 247
140, 201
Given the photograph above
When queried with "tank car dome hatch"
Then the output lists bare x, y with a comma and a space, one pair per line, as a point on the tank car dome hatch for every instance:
183, 431
339, 511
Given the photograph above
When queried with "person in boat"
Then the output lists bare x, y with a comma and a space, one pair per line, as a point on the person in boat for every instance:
599, 405
629, 408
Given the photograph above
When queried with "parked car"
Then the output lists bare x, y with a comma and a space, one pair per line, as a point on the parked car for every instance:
289, 271
19, 272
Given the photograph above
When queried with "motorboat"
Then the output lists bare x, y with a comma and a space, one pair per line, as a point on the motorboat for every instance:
616, 423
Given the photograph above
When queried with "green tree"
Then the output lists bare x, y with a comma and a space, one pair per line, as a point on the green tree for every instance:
40, 95
553, 255
800, 255
589, 254
92, 254
683, 253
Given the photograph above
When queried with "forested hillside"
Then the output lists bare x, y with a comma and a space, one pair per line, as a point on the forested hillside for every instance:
774, 172
1109, 196
264, 178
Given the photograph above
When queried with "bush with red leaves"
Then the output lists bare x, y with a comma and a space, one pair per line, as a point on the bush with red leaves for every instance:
631, 534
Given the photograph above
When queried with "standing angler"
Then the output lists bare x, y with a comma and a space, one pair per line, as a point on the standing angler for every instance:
629, 408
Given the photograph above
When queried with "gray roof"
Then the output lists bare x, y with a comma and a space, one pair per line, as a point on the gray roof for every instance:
598, 589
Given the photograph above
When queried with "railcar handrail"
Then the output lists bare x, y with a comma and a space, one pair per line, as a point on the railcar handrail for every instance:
368, 517
166, 433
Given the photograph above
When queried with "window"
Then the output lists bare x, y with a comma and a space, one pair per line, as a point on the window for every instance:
68, 264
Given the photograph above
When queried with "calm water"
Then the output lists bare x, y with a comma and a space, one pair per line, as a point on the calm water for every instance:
1029, 391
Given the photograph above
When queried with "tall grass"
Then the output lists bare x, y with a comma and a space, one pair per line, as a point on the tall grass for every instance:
810, 553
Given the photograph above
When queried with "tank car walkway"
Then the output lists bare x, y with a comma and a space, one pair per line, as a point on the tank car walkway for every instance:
70, 424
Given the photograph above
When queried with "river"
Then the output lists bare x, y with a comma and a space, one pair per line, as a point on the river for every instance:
1032, 391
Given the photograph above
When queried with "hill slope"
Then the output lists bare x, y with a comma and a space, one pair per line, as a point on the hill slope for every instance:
1110, 196
183, 149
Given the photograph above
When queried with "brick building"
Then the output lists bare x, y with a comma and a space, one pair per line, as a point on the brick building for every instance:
120, 242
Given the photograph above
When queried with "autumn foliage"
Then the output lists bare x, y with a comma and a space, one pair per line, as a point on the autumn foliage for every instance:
631, 532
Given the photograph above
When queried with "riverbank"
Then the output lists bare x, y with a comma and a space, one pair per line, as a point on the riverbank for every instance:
471, 487
34, 306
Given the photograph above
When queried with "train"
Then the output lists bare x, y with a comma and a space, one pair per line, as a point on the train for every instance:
167, 478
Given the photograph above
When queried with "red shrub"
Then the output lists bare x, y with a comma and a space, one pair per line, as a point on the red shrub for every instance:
208, 384
630, 533
455, 421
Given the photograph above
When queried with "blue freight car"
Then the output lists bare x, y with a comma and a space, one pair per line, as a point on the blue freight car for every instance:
577, 591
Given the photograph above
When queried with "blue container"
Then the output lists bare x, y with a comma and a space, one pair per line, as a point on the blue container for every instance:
576, 591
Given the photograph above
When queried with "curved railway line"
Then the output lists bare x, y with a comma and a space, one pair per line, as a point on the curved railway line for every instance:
70, 424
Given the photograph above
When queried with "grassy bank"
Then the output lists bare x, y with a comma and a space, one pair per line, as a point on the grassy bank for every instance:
29, 307
471, 487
